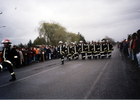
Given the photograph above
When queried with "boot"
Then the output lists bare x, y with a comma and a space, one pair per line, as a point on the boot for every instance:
13, 78
62, 62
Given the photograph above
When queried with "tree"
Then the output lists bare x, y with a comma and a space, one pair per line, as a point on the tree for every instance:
72, 37
109, 39
52, 33
30, 44
81, 37
20, 45
39, 41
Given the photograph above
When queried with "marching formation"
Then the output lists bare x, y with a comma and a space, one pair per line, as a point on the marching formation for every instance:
71, 51
94, 49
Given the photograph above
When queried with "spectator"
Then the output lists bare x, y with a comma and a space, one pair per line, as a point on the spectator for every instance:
45, 53
137, 48
30, 55
42, 53
34, 54
134, 49
49, 52
21, 57
37, 53
25, 56
54, 53
51, 49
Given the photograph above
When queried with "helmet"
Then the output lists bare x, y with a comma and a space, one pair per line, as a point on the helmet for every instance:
81, 41
65, 42
6, 41
60, 42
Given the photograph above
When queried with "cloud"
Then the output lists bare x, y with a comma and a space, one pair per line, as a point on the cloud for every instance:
94, 19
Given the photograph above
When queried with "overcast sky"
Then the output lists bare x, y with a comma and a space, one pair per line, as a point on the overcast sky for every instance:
94, 19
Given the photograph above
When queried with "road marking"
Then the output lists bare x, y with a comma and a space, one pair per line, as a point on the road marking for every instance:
95, 82
28, 77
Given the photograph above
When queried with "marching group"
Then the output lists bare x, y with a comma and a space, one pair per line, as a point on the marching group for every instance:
18, 57
91, 50
131, 48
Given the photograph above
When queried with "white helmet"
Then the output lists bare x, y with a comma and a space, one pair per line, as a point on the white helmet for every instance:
60, 42
81, 41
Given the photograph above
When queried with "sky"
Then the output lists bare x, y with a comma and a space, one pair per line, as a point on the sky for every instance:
94, 19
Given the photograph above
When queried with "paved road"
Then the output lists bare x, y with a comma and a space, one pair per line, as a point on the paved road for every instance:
78, 79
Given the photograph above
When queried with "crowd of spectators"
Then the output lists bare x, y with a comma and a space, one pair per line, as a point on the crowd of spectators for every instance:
131, 48
26, 56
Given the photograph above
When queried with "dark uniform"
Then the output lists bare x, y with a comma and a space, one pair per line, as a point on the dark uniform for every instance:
65, 48
61, 51
94, 49
14, 56
69, 52
72, 50
103, 50
82, 50
7, 58
89, 50
76, 54
98, 49
109, 49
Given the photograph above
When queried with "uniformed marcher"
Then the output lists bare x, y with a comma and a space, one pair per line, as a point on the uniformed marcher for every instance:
94, 50
82, 49
103, 49
72, 50
109, 49
69, 52
65, 48
98, 49
7, 58
89, 50
76, 47
61, 51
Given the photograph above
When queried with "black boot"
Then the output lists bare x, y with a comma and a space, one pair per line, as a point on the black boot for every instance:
62, 62
13, 78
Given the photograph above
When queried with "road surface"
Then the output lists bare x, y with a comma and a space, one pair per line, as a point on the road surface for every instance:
112, 78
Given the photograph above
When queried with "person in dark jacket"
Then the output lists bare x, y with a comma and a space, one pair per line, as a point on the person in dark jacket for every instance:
30, 55
137, 47
7, 58
14, 56
54, 53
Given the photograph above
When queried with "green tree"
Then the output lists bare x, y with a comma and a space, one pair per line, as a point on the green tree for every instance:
109, 39
72, 37
81, 37
52, 32
30, 44
39, 41
20, 45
